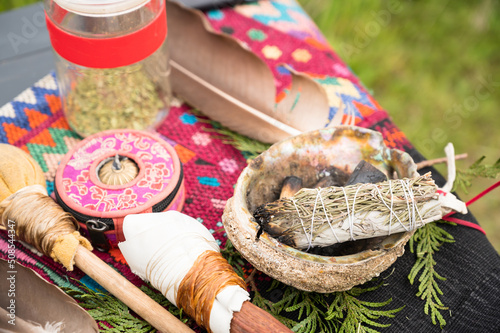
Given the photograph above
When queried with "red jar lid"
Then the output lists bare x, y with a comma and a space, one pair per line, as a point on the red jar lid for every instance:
111, 52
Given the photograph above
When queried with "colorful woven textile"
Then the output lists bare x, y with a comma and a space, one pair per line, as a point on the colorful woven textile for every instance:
280, 33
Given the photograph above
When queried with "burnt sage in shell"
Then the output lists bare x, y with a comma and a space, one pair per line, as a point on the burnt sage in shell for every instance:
311, 156
367, 206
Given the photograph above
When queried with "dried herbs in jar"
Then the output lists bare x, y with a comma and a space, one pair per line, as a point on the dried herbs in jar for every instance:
103, 99
111, 62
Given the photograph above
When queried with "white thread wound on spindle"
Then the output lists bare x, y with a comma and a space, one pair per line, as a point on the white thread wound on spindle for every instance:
309, 240
326, 215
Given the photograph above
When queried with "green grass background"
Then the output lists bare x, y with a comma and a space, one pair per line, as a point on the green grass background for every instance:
11, 4
434, 65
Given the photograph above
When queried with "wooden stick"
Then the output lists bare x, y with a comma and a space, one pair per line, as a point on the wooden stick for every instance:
242, 321
253, 319
129, 294
250, 319
428, 163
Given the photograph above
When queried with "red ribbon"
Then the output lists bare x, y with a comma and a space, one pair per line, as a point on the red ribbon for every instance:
448, 217
109, 52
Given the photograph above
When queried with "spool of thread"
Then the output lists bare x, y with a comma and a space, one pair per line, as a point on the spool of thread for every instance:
116, 173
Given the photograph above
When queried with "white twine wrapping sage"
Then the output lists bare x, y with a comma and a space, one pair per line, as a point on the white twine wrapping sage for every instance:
352, 212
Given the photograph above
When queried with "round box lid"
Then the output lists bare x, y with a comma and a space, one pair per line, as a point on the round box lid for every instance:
80, 190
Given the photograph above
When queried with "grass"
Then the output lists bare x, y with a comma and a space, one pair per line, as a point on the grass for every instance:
434, 65
11, 4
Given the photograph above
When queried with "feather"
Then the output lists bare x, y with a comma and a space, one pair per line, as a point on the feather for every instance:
229, 83
26, 308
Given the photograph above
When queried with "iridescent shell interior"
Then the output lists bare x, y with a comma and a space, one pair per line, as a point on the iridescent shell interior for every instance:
307, 156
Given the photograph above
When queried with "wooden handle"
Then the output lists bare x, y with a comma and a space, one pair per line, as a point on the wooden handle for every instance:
252, 319
129, 294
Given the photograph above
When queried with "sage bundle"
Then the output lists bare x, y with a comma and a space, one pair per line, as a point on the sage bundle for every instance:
325, 216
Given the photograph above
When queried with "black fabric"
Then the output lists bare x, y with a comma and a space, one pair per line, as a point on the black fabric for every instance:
471, 292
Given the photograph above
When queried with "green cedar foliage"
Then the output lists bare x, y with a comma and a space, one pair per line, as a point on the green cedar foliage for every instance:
359, 315
341, 312
427, 240
249, 147
234, 258
112, 315
425, 243
476, 170
315, 312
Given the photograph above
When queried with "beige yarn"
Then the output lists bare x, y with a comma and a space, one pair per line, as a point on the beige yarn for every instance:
35, 217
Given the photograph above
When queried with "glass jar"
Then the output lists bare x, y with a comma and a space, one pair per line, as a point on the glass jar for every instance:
111, 62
